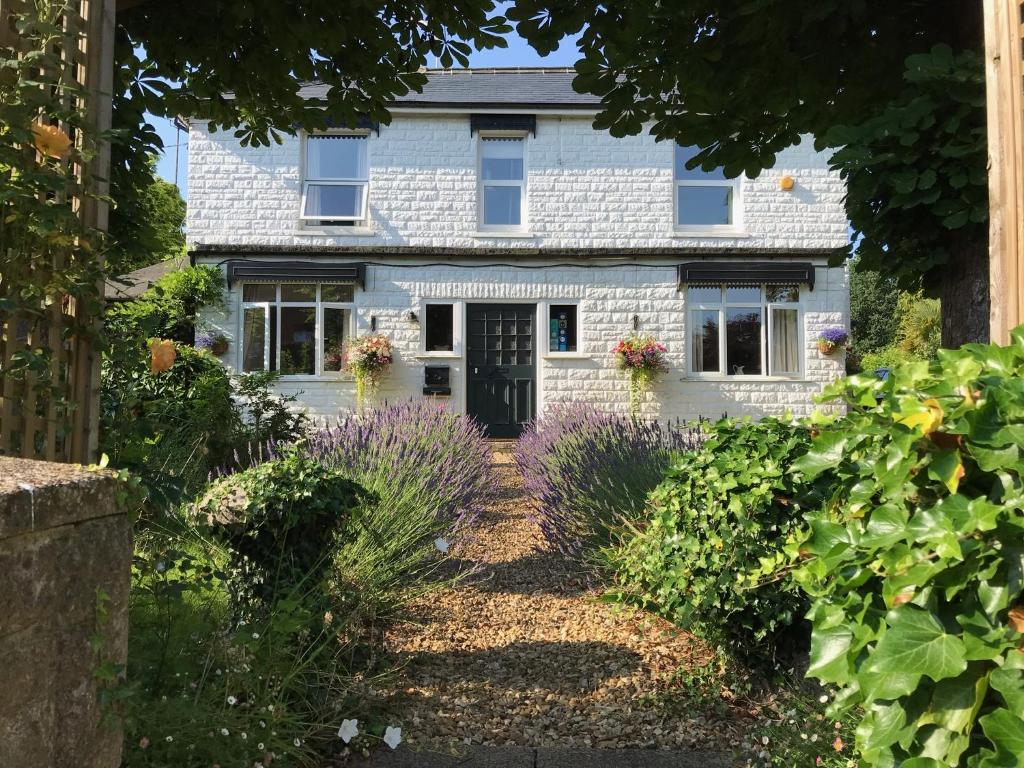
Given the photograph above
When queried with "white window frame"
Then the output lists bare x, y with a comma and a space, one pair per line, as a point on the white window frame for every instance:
767, 334
318, 334
524, 207
544, 310
329, 181
457, 336
735, 204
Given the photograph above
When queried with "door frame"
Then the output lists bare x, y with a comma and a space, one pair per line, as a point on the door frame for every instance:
537, 399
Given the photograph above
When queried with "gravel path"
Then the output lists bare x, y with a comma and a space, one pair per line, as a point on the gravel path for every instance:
520, 653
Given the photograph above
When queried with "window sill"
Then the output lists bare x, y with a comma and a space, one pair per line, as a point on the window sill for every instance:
745, 380
565, 356
307, 379
334, 232
726, 233
438, 356
505, 234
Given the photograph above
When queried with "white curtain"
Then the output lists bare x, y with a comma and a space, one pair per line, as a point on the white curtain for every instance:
785, 341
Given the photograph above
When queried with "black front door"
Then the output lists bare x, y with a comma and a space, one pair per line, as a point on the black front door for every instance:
501, 377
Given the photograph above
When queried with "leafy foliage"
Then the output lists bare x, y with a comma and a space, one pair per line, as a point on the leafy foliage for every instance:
585, 470
280, 520
873, 319
919, 334
914, 561
146, 228
168, 309
916, 169
719, 513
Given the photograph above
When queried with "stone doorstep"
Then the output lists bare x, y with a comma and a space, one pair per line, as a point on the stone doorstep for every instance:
545, 757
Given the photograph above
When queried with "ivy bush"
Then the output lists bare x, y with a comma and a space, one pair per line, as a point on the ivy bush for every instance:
915, 562
585, 470
281, 520
719, 511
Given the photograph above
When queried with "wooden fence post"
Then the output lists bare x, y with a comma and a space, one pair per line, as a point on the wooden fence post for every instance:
1004, 50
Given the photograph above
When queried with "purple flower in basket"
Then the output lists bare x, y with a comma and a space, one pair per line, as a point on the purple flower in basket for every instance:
835, 336
205, 339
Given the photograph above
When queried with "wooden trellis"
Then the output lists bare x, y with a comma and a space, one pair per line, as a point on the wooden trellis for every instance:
34, 424
1004, 54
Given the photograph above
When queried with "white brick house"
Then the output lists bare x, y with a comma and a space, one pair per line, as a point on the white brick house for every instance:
490, 208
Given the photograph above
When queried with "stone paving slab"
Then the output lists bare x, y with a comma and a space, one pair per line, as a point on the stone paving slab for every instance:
545, 757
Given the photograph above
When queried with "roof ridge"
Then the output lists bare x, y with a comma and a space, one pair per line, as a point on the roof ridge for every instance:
497, 70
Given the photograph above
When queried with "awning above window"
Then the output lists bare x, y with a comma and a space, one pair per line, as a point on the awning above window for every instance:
749, 272
296, 272
478, 122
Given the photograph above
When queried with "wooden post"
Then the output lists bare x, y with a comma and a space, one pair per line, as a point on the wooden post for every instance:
1004, 50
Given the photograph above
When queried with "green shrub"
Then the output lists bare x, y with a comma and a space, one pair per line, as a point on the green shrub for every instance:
887, 357
168, 309
281, 520
203, 689
170, 428
718, 513
267, 416
916, 562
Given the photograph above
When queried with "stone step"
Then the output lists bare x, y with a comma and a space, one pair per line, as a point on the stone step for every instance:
545, 757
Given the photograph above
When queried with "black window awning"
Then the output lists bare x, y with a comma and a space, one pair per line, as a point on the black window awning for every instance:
478, 122
296, 272
747, 272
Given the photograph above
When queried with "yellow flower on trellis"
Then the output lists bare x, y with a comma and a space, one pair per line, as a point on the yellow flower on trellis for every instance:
51, 141
161, 355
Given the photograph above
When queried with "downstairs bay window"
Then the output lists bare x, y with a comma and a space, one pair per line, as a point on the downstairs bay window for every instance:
296, 329
744, 330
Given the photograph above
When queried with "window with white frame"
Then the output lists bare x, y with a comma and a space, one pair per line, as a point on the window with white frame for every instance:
335, 189
297, 329
705, 200
744, 330
441, 324
501, 194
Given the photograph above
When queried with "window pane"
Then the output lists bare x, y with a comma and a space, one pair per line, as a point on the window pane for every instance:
298, 292
257, 292
298, 329
439, 328
705, 341
253, 338
562, 328
336, 325
785, 349
501, 159
782, 293
344, 293
501, 206
743, 342
743, 294
705, 294
683, 154
704, 206
330, 201
336, 157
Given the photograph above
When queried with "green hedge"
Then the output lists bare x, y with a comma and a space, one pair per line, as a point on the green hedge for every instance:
719, 511
916, 562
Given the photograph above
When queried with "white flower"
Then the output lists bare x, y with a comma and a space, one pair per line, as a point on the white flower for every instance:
224, 732
442, 545
255, 635
232, 700
297, 742
823, 699
244, 735
349, 730
260, 745
393, 736
170, 738
270, 707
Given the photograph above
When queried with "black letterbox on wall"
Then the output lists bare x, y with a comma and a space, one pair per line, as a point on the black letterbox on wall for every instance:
437, 380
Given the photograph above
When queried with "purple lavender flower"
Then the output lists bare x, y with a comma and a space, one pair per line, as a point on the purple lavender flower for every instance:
586, 470
835, 336
205, 339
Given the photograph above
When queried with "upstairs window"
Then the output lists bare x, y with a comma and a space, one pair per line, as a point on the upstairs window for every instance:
297, 329
336, 185
744, 330
501, 195
705, 200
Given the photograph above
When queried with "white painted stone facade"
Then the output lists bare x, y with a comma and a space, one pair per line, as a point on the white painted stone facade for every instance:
586, 190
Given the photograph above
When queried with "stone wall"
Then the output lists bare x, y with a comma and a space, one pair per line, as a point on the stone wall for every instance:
64, 549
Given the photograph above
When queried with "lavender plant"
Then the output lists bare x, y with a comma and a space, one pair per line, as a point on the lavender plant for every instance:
585, 470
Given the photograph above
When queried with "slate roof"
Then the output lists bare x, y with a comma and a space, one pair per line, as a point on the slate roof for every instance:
132, 285
521, 87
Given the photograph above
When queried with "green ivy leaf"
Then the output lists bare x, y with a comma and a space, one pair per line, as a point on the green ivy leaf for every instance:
915, 644
1006, 731
826, 454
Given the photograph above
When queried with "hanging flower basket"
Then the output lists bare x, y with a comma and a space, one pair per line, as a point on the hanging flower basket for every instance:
217, 343
643, 357
832, 340
367, 360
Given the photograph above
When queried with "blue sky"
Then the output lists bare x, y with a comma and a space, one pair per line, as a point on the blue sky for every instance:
518, 54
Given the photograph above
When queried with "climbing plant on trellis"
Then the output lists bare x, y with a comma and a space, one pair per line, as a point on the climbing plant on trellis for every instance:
54, 107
